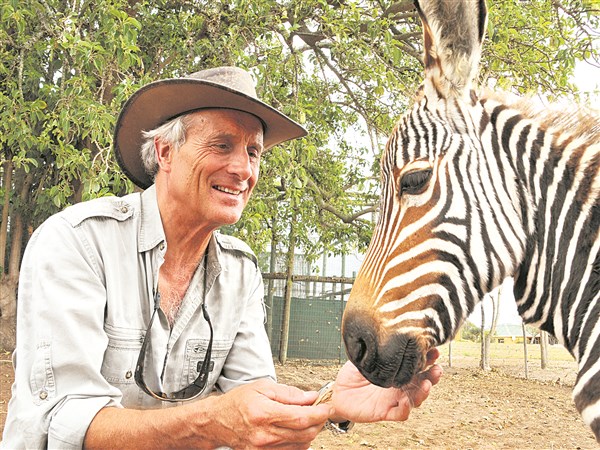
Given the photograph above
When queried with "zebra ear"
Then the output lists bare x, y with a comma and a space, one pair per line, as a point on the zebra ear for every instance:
453, 34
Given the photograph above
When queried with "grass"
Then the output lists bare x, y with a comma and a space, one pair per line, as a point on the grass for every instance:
468, 349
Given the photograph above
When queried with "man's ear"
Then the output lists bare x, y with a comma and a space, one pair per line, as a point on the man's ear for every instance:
164, 154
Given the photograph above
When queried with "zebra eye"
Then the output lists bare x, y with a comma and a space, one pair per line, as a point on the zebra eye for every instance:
414, 182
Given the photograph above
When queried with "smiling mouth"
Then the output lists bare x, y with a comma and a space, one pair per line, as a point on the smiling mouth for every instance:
227, 190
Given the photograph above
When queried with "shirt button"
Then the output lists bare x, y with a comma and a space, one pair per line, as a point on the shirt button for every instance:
128, 374
161, 246
124, 209
43, 395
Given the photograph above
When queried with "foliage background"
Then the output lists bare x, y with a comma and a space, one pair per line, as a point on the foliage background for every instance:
346, 69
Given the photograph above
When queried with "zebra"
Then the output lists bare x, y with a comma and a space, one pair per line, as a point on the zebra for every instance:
477, 188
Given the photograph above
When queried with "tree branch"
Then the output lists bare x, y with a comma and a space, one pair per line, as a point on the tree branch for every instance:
346, 218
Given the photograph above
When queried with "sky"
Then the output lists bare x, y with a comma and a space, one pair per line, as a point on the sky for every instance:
587, 79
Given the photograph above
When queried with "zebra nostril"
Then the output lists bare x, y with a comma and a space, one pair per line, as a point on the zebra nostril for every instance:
357, 349
361, 345
362, 351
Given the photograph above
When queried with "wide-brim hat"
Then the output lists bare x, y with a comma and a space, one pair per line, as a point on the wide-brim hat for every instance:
160, 101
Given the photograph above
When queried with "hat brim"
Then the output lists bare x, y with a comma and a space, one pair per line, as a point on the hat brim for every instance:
156, 103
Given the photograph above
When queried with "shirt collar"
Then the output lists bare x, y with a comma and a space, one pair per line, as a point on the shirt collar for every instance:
151, 231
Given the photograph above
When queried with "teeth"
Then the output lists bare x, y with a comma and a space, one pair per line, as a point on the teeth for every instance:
229, 191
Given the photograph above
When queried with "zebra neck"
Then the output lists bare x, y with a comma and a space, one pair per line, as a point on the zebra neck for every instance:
555, 186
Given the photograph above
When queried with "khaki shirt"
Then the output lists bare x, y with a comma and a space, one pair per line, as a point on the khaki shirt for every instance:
85, 301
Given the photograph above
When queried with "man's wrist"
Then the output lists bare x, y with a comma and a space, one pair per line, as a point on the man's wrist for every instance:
336, 425
339, 427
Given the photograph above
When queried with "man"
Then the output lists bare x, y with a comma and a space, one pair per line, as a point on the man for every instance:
130, 305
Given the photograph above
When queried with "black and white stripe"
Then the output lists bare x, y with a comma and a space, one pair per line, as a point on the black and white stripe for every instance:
509, 192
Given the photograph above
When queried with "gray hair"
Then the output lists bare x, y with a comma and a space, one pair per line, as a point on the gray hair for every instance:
172, 132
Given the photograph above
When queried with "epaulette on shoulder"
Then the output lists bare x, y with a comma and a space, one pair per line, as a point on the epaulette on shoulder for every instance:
118, 208
232, 243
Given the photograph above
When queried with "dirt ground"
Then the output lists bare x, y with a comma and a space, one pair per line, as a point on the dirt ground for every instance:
469, 409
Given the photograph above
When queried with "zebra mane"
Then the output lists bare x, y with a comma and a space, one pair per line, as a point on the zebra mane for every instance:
559, 118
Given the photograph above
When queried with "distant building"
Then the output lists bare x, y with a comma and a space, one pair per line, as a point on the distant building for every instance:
512, 334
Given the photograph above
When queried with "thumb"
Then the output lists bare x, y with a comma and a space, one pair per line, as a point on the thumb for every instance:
288, 395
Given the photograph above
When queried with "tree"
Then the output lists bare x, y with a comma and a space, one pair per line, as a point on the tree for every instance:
484, 360
344, 68
486, 337
61, 72
543, 349
525, 357
470, 332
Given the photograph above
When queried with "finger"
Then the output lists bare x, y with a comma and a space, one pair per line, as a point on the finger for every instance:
433, 374
350, 377
293, 445
278, 437
420, 387
432, 355
295, 417
288, 395
399, 413
296, 440
420, 394
290, 407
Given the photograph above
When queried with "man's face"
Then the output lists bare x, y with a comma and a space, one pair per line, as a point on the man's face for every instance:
212, 175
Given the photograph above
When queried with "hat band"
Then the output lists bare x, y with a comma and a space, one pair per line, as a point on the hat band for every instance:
191, 111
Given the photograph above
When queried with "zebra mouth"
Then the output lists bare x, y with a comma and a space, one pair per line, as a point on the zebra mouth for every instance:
405, 360
390, 364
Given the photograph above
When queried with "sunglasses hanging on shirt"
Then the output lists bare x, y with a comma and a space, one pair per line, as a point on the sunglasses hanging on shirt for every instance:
192, 391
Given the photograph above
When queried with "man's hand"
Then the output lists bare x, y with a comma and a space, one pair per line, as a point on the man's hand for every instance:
262, 414
265, 414
355, 399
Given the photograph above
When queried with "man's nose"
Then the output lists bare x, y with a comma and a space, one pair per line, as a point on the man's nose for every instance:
241, 164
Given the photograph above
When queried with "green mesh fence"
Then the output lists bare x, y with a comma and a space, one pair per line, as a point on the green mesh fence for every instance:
314, 331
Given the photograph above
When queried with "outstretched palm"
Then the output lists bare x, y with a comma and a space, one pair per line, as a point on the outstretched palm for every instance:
355, 398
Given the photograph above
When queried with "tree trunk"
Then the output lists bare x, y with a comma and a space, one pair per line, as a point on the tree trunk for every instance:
7, 185
10, 276
323, 286
492, 332
525, 350
270, 282
8, 318
495, 310
544, 349
287, 305
342, 353
484, 363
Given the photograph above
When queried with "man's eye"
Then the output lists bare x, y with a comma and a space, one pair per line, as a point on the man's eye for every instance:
414, 182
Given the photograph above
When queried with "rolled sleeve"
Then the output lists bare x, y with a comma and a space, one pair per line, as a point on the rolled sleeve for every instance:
71, 420
250, 357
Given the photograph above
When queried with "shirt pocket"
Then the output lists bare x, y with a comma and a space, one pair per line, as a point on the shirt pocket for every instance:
195, 353
41, 380
120, 358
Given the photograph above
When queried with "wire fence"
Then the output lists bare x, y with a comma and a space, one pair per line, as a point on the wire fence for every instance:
306, 324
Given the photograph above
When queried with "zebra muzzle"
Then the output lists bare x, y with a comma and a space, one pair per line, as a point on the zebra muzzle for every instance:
389, 363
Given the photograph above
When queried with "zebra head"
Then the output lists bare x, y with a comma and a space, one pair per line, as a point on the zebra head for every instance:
423, 273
